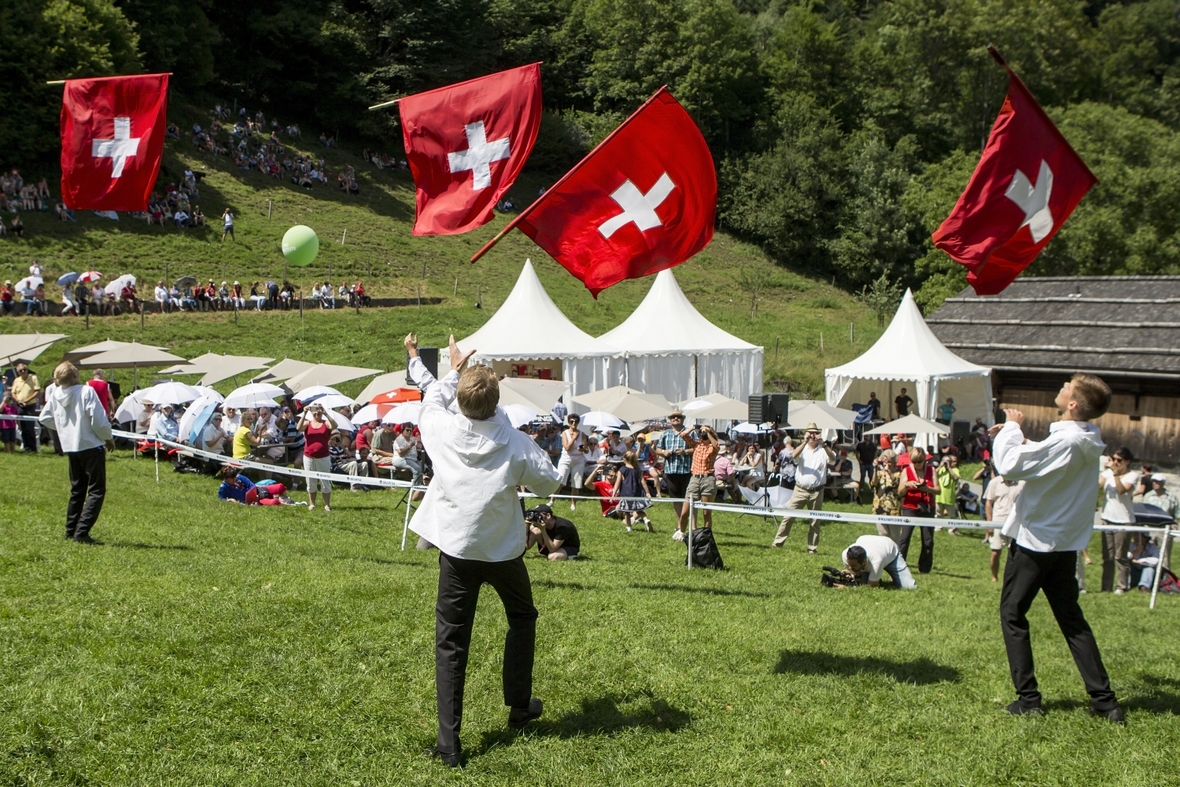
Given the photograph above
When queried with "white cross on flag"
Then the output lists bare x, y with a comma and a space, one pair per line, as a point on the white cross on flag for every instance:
112, 140
466, 144
642, 201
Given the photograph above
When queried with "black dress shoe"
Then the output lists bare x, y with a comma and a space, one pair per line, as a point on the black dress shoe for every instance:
1020, 709
1114, 715
447, 758
85, 539
519, 717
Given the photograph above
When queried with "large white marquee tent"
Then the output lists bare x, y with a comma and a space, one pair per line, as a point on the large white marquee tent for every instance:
671, 349
529, 329
909, 355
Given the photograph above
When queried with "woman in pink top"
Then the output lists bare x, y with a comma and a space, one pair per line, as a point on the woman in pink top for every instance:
317, 432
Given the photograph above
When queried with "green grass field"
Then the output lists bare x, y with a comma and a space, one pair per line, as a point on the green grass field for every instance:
210, 644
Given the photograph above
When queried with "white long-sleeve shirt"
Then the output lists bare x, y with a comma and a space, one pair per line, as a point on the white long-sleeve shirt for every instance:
1055, 511
471, 510
77, 415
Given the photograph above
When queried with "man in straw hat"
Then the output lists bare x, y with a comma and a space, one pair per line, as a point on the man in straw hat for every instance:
677, 468
812, 457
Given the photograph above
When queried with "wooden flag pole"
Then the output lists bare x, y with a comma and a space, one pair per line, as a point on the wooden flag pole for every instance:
995, 53
63, 81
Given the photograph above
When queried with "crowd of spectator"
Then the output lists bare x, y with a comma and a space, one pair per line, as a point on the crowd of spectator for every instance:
16, 196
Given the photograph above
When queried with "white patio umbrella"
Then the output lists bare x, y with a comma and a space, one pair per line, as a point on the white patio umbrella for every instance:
308, 394
171, 393
131, 406
520, 414
29, 284
254, 395
371, 412
341, 421
720, 408
404, 413
332, 401
193, 422
541, 393
115, 286
796, 406
813, 414
910, 424
209, 392
382, 383
601, 420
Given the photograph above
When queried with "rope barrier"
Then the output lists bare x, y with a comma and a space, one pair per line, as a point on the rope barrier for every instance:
775, 511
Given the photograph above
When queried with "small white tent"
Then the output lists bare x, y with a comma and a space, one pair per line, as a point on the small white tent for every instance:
529, 330
671, 349
909, 355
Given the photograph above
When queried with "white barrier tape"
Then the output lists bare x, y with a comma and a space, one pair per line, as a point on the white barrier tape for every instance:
267, 468
874, 519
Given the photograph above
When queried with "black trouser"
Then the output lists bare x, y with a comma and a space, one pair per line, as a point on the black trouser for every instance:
926, 556
88, 487
1025, 574
28, 429
459, 582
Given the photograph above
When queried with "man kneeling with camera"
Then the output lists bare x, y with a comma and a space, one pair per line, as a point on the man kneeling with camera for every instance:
876, 554
556, 538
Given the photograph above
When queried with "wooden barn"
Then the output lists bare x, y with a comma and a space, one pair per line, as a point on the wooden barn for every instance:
1039, 331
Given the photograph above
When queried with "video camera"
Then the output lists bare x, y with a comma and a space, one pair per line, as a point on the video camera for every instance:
834, 577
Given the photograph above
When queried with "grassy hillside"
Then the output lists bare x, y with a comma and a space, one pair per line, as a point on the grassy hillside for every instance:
793, 310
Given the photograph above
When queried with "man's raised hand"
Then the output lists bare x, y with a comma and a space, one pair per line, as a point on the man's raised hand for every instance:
411, 344
458, 360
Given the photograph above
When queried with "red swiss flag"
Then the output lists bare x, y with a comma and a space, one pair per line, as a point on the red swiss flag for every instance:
466, 144
112, 139
1027, 184
642, 201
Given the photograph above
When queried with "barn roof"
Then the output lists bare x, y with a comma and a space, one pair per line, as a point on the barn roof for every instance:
1115, 325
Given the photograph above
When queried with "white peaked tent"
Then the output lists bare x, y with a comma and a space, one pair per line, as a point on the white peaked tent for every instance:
671, 349
909, 355
529, 328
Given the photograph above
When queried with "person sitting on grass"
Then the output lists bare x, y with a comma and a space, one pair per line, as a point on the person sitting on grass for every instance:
877, 554
245, 440
239, 489
556, 538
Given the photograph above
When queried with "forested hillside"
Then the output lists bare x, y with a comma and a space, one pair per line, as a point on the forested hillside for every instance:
843, 132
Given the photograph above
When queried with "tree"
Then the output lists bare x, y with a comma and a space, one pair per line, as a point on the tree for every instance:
876, 236
41, 41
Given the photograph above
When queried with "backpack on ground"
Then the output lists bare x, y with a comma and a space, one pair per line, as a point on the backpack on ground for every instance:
1168, 582
704, 549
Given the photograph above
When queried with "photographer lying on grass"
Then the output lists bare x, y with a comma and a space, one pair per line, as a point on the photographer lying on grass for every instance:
875, 554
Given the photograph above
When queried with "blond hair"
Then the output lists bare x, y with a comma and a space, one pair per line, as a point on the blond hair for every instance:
65, 374
478, 392
917, 453
629, 459
1092, 395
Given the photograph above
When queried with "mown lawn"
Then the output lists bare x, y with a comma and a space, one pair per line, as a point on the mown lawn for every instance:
209, 644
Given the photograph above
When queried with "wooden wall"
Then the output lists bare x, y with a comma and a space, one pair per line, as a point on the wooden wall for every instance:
1154, 437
